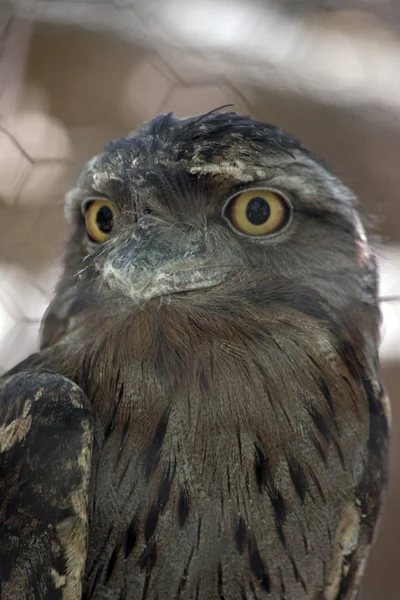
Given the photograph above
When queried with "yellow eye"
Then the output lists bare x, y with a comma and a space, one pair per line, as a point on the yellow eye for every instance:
99, 220
257, 212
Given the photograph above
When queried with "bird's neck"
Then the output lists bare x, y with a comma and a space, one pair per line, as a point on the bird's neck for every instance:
219, 370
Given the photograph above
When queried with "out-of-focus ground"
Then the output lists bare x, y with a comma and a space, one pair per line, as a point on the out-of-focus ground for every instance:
75, 74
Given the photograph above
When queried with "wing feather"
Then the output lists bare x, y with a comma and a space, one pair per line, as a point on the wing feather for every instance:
45, 455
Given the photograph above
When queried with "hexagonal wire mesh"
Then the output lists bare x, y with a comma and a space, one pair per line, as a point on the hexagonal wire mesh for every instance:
65, 91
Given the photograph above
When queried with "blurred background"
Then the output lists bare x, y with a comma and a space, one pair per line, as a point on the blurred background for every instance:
75, 74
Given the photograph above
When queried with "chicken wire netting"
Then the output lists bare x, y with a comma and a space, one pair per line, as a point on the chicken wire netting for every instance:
75, 74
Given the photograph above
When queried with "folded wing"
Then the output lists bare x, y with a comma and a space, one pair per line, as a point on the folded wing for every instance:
45, 454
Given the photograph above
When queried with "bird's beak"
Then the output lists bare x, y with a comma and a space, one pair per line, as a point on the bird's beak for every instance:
158, 261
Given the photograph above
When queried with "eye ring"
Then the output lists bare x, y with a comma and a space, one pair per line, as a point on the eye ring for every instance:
99, 220
258, 212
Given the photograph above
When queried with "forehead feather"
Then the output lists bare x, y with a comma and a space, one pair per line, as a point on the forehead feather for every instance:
225, 145
205, 134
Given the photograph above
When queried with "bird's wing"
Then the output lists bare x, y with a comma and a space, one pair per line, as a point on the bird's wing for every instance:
45, 454
358, 526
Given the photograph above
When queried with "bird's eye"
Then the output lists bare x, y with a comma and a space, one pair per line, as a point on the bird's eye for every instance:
257, 212
99, 220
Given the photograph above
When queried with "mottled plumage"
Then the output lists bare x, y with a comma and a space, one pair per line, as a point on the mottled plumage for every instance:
221, 390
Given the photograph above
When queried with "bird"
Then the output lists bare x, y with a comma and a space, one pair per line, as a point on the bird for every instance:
205, 417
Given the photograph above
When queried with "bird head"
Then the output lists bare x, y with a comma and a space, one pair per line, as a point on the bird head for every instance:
216, 211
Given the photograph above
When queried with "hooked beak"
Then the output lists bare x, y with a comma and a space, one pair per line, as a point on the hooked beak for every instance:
153, 264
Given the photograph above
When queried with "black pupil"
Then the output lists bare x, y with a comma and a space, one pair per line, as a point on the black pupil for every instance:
258, 211
104, 219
